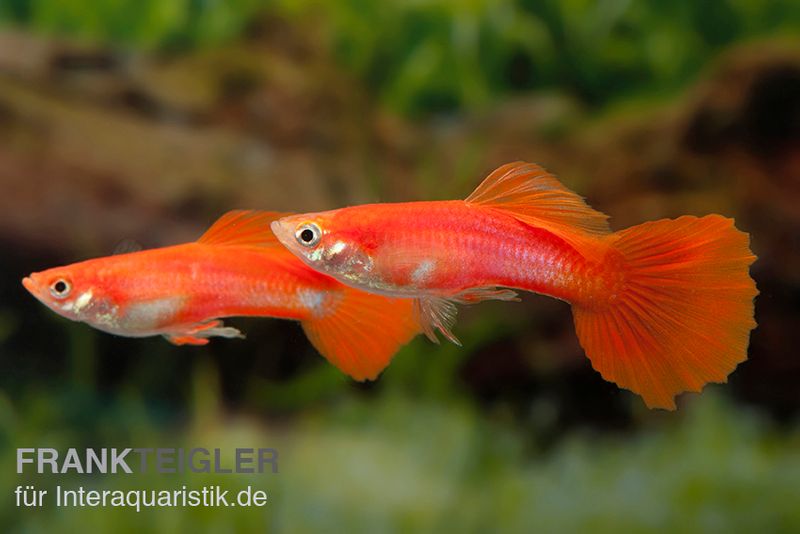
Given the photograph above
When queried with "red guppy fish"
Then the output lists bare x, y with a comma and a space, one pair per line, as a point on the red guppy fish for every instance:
659, 308
237, 268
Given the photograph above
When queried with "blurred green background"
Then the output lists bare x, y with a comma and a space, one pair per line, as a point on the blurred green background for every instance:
148, 119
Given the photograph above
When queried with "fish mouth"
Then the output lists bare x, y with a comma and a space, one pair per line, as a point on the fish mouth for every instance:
282, 232
34, 288
30, 285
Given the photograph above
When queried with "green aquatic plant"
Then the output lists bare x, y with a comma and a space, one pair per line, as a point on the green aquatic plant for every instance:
435, 55
140, 23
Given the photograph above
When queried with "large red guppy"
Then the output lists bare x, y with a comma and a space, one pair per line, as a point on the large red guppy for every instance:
659, 308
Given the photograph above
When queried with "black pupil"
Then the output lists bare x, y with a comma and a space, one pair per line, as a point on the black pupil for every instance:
307, 235
60, 286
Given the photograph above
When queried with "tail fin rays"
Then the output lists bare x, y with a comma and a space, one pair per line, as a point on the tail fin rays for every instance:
684, 316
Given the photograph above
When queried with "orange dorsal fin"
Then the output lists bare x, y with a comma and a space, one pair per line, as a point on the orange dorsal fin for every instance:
683, 315
364, 332
243, 228
533, 196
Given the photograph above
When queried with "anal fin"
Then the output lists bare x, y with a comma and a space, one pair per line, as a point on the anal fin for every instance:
436, 313
187, 340
439, 313
199, 333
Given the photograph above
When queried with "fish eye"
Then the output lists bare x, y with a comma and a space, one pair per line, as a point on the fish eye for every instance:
60, 288
308, 234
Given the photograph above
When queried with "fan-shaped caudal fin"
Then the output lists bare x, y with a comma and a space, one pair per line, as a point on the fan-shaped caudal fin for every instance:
530, 194
364, 332
685, 311
242, 228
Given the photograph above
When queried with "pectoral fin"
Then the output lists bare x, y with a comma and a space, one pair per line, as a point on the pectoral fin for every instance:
199, 334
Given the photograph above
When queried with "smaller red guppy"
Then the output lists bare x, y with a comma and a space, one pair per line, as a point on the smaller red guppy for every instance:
237, 268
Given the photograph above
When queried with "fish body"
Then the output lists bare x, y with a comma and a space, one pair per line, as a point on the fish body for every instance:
447, 248
167, 291
236, 269
659, 308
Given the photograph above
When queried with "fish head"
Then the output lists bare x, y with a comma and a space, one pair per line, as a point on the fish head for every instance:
74, 292
327, 246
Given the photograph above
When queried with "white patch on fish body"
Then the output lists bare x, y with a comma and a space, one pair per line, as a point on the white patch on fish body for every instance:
67, 306
107, 319
105, 316
82, 301
423, 271
316, 255
311, 299
337, 247
151, 314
